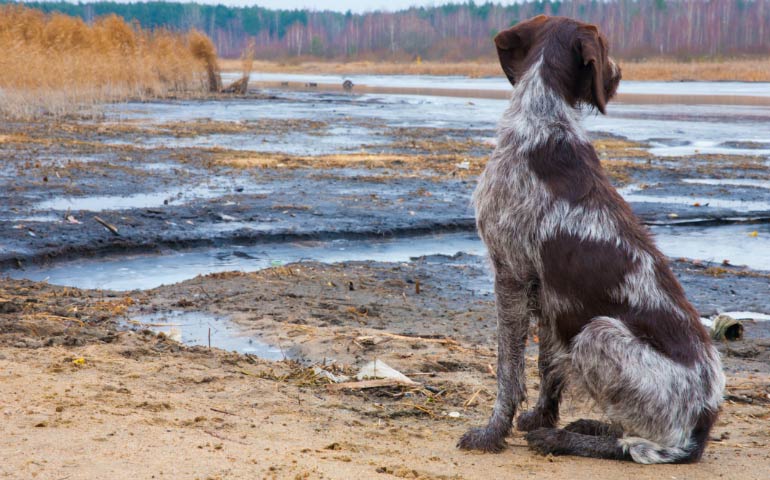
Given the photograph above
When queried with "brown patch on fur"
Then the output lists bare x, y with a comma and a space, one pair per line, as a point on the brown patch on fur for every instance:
568, 169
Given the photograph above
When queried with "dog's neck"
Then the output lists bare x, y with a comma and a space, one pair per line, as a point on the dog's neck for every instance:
536, 114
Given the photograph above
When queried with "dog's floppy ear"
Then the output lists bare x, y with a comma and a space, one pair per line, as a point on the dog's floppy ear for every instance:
592, 52
514, 44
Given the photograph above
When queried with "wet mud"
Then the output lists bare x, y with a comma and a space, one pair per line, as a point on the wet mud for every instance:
392, 181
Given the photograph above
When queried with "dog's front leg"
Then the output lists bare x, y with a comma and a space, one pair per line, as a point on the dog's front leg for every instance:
546, 412
512, 325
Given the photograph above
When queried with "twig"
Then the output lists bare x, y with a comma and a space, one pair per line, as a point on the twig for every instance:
205, 292
224, 411
442, 341
216, 435
108, 226
363, 385
470, 401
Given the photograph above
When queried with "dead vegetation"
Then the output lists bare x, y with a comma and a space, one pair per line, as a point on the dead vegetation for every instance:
241, 86
660, 69
438, 159
86, 135
30, 311
57, 64
399, 164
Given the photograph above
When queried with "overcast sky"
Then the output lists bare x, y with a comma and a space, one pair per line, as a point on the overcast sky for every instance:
341, 5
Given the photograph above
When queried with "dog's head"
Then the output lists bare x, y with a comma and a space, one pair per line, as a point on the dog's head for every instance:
575, 58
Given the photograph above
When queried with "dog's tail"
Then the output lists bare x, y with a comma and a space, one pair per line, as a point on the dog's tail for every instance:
642, 450
645, 451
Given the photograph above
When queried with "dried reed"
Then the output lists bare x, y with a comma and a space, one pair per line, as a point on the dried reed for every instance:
60, 65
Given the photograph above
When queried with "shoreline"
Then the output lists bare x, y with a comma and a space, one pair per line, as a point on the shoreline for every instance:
740, 70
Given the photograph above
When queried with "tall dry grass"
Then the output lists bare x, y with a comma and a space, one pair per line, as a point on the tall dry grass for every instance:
57, 64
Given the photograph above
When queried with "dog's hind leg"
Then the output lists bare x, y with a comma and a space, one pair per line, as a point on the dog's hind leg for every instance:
594, 428
665, 408
563, 442
513, 317
550, 366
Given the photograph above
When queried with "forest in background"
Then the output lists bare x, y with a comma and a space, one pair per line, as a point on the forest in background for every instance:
454, 32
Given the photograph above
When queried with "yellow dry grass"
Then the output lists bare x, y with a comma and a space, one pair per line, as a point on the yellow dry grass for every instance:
57, 64
399, 164
748, 69
744, 70
619, 158
472, 69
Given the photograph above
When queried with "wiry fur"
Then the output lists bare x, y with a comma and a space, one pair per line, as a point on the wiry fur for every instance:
567, 251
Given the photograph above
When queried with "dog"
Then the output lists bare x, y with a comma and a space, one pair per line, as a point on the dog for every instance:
567, 251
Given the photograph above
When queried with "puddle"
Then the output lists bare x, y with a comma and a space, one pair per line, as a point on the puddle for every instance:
732, 242
729, 182
98, 203
708, 130
703, 147
196, 328
130, 272
336, 139
715, 244
160, 166
43, 218
631, 195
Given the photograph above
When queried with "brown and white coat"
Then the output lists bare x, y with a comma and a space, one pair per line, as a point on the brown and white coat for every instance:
567, 251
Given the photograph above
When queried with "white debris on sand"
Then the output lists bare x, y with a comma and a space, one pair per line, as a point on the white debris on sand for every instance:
380, 369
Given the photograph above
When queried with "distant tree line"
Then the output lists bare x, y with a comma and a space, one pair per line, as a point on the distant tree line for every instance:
457, 31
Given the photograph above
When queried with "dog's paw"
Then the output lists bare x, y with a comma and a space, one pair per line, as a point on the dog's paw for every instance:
534, 419
546, 440
482, 439
588, 427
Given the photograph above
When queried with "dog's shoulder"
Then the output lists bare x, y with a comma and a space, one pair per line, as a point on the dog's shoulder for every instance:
569, 168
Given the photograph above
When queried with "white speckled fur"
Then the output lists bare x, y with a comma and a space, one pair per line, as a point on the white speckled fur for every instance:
661, 399
515, 214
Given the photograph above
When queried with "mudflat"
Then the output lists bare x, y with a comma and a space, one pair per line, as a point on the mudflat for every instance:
313, 233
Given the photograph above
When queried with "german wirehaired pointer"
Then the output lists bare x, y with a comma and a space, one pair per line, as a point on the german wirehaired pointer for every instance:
568, 251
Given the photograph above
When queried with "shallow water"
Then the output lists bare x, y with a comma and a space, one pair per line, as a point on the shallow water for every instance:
458, 82
671, 130
98, 203
634, 194
729, 182
199, 328
336, 139
735, 243
128, 272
